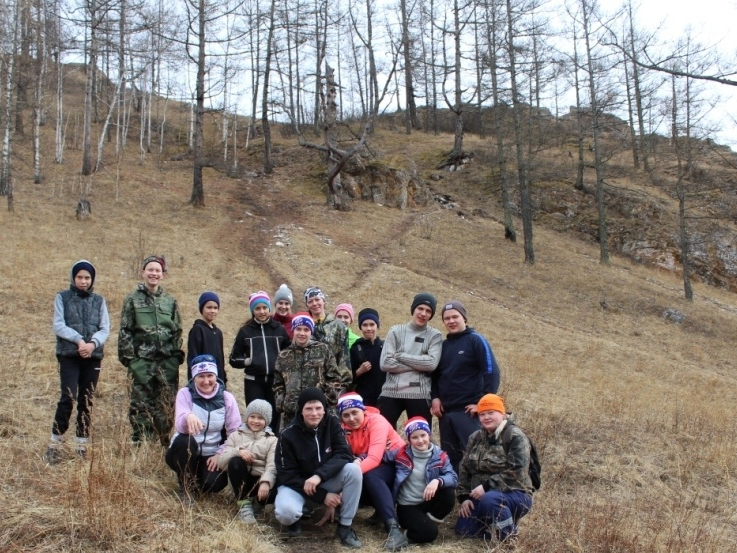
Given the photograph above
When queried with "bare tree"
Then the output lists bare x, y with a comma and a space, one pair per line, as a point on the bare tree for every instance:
411, 119
524, 188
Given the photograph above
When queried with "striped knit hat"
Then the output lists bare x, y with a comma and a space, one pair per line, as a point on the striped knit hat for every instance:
350, 400
258, 297
416, 423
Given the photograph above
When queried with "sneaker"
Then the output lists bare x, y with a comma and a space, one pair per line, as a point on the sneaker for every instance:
53, 455
396, 540
245, 513
308, 512
435, 519
294, 530
348, 537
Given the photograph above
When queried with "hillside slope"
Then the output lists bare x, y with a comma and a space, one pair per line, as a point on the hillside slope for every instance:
634, 415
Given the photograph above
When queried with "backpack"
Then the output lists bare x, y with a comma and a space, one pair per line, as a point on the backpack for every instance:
535, 467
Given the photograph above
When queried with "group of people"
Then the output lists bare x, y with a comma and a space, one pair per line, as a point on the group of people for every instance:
336, 396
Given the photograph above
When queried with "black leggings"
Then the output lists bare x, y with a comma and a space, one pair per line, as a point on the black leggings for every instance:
244, 483
183, 458
414, 519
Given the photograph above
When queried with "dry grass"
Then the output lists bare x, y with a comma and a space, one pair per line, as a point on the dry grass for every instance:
634, 416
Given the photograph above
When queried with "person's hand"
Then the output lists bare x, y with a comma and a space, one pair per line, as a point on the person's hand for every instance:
471, 409
436, 408
332, 500
194, 425
465, 509
212, 463
477, 493
263, 491
430, 490
85, 349
311, 484
357, 461
328, 516
364, 368
246, 455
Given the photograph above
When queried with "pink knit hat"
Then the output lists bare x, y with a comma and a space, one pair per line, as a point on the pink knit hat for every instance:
348, 308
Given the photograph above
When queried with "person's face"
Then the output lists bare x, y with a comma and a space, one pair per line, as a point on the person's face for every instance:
302, 335
205, 383
316, 306
83, 280
369, 329
344, 317
312, 413
420, 440
283, 307
421, 315
256, 422
453, 321
261, 313
353, 417
490, 420
209, 311
152, 274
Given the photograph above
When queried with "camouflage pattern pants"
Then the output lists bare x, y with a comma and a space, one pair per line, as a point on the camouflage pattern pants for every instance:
153, 390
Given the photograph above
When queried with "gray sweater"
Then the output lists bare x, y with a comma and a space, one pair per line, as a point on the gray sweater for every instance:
410, 354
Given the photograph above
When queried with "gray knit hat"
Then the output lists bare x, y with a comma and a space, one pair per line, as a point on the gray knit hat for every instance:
283, 293
259, 407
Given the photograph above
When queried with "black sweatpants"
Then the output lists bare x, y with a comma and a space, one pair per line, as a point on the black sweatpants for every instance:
392, 407
414, 519
183, 458
78, 382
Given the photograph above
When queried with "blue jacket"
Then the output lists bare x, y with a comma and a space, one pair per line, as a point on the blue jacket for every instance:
467, 371
438, 466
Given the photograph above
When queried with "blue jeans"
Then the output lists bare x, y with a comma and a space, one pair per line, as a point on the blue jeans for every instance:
495, 511
377, 490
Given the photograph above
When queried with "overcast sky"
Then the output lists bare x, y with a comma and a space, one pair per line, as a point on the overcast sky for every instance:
711, 22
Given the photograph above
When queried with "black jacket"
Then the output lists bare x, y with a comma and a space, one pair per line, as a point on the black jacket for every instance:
301, 453
204, 339
257, 346
368, 384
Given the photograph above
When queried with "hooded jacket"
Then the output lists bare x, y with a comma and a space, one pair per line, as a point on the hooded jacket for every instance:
303, 452
438, 466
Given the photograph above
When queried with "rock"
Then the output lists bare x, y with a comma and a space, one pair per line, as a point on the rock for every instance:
673, 315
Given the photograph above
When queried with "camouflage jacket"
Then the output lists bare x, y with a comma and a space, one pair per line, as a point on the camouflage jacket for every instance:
150, 327
312, 366
334, 333
486, 463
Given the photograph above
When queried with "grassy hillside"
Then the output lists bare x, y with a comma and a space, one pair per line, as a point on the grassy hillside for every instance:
634, 416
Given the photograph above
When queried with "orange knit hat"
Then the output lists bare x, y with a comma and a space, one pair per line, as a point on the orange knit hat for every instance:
491, 402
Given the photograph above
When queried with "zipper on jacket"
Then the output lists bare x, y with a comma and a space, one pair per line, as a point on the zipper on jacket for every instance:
266, 350
317, 442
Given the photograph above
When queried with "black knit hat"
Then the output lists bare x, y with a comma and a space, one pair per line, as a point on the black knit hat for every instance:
368, 314
424, 298
311, 394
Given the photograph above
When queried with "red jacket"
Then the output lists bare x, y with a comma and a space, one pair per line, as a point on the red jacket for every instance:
372, 439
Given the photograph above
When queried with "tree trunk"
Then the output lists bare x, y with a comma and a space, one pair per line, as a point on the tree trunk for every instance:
501, 158
411, 119
524, 190
268, 164
6, 185
88, 90
198, 193
598, 164
40, 87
